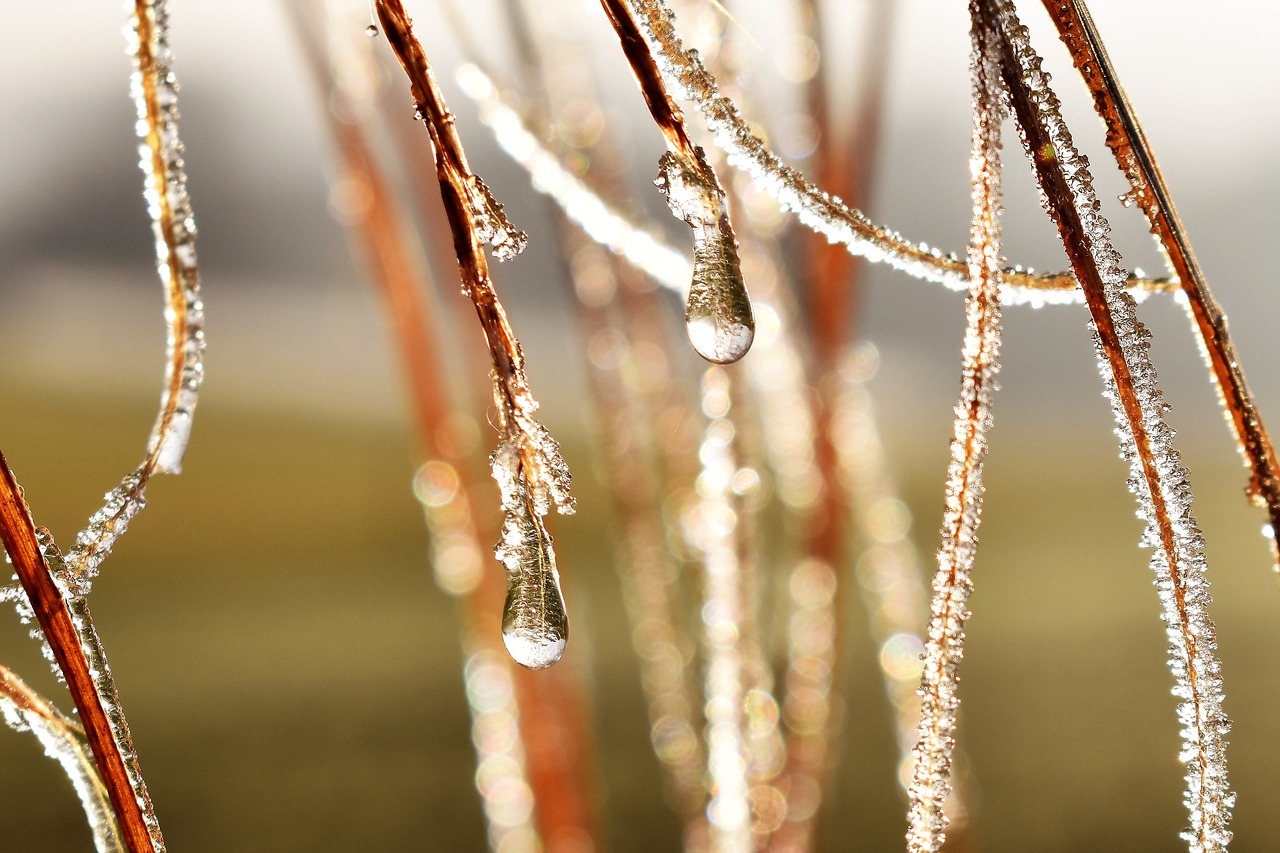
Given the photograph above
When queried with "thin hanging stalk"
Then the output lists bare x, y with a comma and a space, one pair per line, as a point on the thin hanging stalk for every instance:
1134, 155
1157, 478
64, 740
440, 483
64, 619
714, 532
813, 664
528, 738
718, 313
939, 682
530, 471
154, 89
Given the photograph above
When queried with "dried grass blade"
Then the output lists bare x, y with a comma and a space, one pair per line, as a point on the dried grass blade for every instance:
1157, 478
64, 741
685, 74
154, 89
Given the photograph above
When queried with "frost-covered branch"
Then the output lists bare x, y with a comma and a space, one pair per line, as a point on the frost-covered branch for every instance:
1157, 478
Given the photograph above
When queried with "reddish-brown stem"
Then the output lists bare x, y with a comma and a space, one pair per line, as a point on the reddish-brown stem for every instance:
18, 533
553, 731
456, 179
17, 691
664, 110
1129, 144
1058, 199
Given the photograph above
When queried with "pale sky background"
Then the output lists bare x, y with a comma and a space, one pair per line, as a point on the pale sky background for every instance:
290, 321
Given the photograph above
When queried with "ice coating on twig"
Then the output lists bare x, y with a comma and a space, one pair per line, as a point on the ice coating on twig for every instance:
535, 625
103, 684
944, 647
1157, 478
718, 313
685, 73
155, 92
666, 265
63, 741
492, 223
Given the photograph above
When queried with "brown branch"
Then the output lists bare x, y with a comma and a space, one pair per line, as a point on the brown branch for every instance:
1133, 153
18, 533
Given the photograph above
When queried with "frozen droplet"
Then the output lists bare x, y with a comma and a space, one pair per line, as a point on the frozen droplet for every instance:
718, 315
535, 625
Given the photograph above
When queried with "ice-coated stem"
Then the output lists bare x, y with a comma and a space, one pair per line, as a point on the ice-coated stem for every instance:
944, 648
1157, 479
1133, 153
155, 89
646, 251
64, 741
527, 463
685, 74
64, 619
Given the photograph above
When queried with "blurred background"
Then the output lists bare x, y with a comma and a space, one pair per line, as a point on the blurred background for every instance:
290, 671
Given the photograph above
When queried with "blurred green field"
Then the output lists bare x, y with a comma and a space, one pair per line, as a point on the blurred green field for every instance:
292, 674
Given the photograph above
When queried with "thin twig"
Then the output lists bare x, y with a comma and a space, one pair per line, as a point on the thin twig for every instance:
1129, 144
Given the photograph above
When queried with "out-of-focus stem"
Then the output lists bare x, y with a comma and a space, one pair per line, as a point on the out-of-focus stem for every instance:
18, 532
1133, 153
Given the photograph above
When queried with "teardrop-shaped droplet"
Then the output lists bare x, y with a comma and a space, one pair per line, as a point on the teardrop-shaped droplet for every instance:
718, 315
535, 625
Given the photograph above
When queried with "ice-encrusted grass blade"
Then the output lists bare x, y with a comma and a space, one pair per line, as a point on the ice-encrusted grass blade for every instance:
1133, 153
952, 584
685, 74
64, 620
154, 88
1158, 480
64, 741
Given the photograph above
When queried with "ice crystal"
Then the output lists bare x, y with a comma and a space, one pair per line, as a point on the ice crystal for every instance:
718, 313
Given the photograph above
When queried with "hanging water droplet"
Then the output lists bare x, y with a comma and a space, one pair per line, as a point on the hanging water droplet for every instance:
718, 315
535, 625
371, 31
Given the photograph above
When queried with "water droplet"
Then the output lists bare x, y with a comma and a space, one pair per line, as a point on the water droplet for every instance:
371, 31
718, 315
